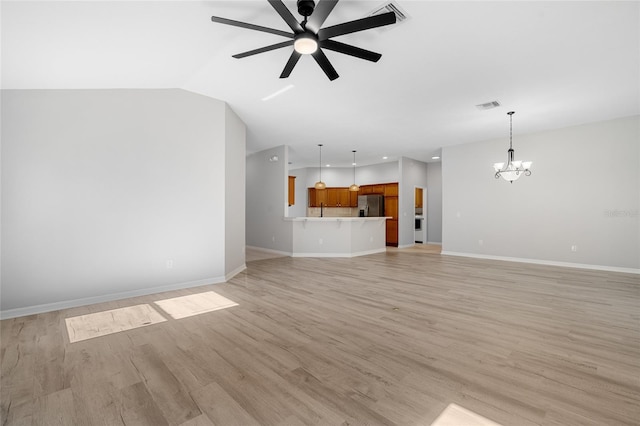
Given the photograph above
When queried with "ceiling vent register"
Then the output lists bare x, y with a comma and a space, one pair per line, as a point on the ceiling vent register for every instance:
488, 105
391, 6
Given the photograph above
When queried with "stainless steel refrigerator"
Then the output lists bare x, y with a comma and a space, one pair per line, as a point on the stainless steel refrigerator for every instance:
371, 205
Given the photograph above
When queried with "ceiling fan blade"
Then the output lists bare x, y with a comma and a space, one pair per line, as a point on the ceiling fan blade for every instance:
250, 26
320, 13
285, 14
324, 63
293, 60
263, 49
357, 25
347, 49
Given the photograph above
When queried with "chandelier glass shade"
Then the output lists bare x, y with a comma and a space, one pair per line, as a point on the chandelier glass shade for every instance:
512, 169
320, 184
354, 187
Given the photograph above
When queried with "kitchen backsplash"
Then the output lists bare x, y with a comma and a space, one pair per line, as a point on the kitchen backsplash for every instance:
333, 211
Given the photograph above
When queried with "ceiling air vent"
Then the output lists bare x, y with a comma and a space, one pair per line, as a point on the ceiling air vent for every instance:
394, 7
488, 105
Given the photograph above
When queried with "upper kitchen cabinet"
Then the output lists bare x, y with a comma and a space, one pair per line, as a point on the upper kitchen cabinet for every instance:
292, 190
391, 190
317, 197
333, 197
418, 197
344, 197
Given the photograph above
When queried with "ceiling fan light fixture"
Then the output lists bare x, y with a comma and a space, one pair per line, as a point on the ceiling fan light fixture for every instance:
305, 44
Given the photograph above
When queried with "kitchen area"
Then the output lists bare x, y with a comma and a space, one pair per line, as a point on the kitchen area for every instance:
287, 215
344, 223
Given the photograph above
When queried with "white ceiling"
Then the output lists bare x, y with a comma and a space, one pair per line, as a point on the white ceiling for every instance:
555, 63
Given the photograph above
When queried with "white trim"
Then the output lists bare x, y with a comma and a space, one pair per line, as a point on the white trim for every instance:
65, 304
266, 250
404, 246
545, 262
355, 254
235, 272
436, 243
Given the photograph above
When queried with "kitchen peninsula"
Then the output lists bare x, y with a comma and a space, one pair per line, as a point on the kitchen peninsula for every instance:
341, 223
337, 236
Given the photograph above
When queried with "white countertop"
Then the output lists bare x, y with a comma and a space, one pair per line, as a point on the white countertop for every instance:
334, 219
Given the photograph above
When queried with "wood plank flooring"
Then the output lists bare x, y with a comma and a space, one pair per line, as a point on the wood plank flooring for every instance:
387, 339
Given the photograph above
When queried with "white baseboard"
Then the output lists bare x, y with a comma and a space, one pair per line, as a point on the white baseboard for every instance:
235, 272
74, 303
407, 245
545, 262
355, 254
266, 250
435, 243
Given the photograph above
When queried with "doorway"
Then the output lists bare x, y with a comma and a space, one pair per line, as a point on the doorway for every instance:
420, 215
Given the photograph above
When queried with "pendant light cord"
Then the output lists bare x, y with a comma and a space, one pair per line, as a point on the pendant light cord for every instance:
354, 167
320, 164
511, 129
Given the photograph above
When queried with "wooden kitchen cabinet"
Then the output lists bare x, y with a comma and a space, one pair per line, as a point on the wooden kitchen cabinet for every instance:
392, 232
378, 189
391, 207
391, 190
365, 190
353, 195
292, 190
344, 197
418, 198
332, 197
317, 197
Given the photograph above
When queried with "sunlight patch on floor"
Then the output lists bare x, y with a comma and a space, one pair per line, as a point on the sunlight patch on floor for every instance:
455, 415
194, 304
98, 324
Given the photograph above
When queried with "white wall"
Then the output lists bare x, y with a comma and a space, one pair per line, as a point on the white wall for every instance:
234, 193
434, 202
299, 209
101, 188
267, 203
340, 177
414, 174
584, 191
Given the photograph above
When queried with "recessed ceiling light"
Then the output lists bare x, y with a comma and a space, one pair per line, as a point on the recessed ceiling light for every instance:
328, 165
353, 164
385, 157
435, 158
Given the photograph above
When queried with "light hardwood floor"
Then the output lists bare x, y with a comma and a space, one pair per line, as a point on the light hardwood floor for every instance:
391, 338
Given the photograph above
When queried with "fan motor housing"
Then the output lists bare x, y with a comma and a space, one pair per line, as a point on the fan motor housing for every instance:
305, 7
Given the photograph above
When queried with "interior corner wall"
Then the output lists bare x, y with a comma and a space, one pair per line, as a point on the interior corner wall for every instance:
583, 192
434, 202
267, 185
413, 174
234, 193
108, 194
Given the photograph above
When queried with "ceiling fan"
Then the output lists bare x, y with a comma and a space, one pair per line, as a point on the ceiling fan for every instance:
308, 36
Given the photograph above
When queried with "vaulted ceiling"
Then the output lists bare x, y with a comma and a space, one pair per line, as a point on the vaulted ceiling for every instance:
555, 63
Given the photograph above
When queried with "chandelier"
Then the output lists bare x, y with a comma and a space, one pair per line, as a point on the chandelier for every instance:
513, 169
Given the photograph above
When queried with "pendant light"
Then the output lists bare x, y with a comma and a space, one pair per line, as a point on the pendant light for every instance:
320, 184
354, 187
514, 169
